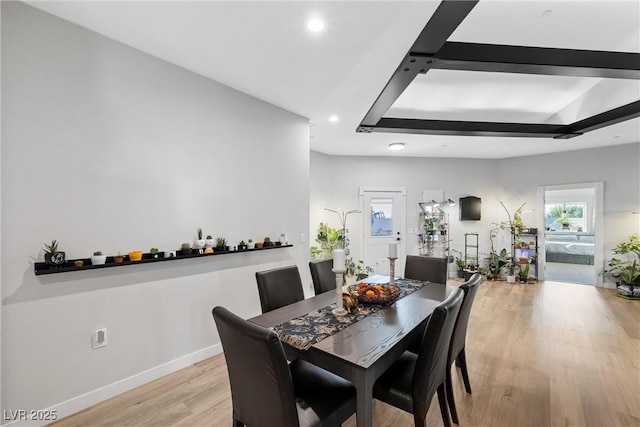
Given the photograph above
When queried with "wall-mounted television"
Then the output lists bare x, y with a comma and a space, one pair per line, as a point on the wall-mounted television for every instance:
470, 208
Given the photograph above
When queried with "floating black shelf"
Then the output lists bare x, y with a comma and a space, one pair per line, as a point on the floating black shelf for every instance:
147, 258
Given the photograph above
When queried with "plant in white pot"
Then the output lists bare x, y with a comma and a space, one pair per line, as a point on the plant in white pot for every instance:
209, 242
250, 244
98, 258
511, 271
199, 243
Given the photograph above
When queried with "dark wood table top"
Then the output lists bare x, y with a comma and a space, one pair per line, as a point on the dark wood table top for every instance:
365, 349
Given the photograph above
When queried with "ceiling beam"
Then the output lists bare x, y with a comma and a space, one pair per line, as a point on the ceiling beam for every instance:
431, 50
453, 127
536, 60
443, 22
608, 118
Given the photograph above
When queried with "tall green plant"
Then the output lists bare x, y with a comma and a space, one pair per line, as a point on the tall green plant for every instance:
328, 239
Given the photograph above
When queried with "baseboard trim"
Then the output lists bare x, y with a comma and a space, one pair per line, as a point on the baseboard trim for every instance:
91, 398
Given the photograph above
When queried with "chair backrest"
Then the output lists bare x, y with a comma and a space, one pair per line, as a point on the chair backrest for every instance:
324, 279
279, 287
470, 288
427, 268
262, 390
430, 371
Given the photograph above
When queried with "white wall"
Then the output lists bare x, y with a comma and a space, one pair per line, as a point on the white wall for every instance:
335, 181
106, 148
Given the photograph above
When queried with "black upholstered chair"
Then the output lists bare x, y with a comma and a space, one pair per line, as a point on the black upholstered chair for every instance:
456, 349
266, 391
279, 287
427, 268
412, 381
324, 279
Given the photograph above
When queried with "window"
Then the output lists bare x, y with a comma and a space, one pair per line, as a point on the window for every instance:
381, 217
566, 217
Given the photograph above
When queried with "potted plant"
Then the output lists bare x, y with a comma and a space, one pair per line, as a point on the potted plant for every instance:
524, 272
564, 220
250, 244
221, 244
259, 245
98, 258
118, 259
242, 245
199, 242
625, 270
266, 243
185, 249
511, 268
52, 255
329, 239
155, 253
209, 242
355, 271
460, 264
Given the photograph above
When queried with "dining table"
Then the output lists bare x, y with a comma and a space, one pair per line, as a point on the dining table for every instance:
365, 349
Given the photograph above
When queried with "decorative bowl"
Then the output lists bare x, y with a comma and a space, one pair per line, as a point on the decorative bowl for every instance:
375, 293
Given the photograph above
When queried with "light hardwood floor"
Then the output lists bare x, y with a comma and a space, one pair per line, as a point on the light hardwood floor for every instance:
546, 354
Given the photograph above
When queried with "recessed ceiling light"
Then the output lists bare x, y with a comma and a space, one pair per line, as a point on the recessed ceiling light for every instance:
333, 118
315, 25
396, 146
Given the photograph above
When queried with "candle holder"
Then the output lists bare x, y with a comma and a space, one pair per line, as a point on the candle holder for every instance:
392, 270
339, 310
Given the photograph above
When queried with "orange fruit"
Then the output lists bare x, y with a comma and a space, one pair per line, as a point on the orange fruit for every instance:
370, 293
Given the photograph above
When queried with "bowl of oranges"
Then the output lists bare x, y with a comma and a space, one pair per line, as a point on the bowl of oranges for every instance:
369, 293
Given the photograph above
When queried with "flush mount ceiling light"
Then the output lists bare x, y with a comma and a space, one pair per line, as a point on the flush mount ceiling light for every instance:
315, 25
432, 50
395, 146
333, 118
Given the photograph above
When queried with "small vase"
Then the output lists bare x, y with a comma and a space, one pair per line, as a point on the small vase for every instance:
55, 259
98, 259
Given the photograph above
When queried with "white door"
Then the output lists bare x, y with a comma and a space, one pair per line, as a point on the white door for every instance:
384, 222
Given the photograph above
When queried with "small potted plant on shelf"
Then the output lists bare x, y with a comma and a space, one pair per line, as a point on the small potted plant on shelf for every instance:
266, 243
221, 244
52, 255
185, 249
209, 242
155, 253
118, 259
242, 245
199, 242
98, 258
259, 245
250, 244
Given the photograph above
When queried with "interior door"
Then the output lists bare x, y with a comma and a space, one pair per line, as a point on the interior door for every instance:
384, 222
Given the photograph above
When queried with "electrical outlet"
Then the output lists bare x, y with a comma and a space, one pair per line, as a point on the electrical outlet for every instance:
99, 338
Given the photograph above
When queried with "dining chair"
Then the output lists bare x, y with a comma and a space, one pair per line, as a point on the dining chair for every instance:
322, 275
458, 339
412, 381
279, 287
426, 268
267, 391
